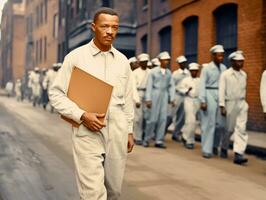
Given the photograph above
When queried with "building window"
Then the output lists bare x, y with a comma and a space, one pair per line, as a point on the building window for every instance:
106, 3
45, 10
226, 28
191, 38
145, 3
41, 50
41, 13
55, 26
37, 16
144, 43
165, 39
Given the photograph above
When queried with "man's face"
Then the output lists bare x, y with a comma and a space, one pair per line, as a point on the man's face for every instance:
143, 64
165, 63
183, 65
134, 65
194, 73
105, 28
237, 64
218, 57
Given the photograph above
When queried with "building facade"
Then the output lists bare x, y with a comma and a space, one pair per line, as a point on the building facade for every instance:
75, 19
191, 27
12, 41
41, 33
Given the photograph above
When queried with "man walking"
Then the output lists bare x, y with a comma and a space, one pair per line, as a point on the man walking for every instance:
212, 123
233, 105
159, 92
99, 149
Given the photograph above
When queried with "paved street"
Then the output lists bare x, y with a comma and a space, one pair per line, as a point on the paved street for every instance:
36, 163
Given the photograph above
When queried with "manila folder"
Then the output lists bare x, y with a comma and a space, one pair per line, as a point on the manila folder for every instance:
89, 93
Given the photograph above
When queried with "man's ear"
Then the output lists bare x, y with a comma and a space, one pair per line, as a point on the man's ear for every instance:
93, 27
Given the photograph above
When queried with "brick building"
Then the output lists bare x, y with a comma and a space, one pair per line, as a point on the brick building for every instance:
42, 33
191, 27
76, 16
12, 41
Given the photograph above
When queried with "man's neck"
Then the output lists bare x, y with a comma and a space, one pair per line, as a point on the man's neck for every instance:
100, 46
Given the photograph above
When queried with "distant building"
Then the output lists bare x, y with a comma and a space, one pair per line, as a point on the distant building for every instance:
191, 27
42, 33
75, 18
12, 44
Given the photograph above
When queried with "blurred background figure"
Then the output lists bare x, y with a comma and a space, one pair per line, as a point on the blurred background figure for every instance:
44, 94
140, 82
159, 92
189, 87
263, 92
177, 114
212, 122
133, 63
34, 83
18, 90
9, 88
155, 62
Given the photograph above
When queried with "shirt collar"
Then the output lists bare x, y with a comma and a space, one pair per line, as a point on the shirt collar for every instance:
95, 50
234, 72
181, 71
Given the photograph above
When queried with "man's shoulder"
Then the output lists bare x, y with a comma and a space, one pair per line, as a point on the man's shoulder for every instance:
119, 55
77, 51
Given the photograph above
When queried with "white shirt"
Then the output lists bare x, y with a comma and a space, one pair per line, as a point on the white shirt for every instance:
263, 91
140, 83
232, 86
178, 76
190, 82
163, 71
111, 67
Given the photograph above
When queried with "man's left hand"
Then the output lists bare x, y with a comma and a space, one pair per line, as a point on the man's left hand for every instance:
130, 143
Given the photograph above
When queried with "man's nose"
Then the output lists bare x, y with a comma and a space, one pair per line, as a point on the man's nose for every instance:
109, 30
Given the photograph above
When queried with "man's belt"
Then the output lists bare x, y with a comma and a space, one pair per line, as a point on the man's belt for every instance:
141, 89
212, 88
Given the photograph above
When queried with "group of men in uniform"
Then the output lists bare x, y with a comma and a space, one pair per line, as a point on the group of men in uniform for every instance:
216, 98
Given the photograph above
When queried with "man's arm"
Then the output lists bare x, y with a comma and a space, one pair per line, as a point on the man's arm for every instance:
202, 89
222, 88
58, 93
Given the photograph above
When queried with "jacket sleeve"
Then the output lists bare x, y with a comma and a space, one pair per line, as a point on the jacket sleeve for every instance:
149, 87
135, 90
129, 107
171, 89
263, 91
221, 90
58, 93
202, 87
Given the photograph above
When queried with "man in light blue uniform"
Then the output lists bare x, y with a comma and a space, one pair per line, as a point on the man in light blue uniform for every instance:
159, 92
178, 112
212, 122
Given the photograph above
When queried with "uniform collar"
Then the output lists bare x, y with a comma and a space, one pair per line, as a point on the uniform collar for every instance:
181, 71
95, 50
234, 72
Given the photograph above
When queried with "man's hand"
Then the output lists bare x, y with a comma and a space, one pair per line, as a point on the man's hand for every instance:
203, 106
265, 116
91, 121
223, 111
189, 89
138, 105
130, 143
172, 103
148, 104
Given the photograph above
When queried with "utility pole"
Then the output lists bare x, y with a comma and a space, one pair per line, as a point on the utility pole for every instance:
149, 22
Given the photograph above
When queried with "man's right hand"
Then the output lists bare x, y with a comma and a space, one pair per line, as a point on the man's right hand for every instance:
148, 104
223, 111
91, 121
138, 105
203, 106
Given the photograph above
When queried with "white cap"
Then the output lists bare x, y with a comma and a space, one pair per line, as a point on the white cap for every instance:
59, 64
217, 49
149, 63
193, 66
36, 69
164, 55
132, 59
238, 56
143, 57
181, 59
234, 53
155, 61
204, 64
55, 65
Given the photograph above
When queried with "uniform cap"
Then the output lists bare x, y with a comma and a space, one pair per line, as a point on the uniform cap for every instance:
143, 57
181, 59
217, 49
164, 55
193, 66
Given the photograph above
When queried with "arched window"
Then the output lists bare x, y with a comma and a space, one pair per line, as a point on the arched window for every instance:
165, 39
226, 28
191, 38
144, 43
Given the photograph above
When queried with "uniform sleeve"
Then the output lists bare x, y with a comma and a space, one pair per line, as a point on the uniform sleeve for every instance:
171, 89
135, 91
129, 107
58, 93
149, 87
221, 90
263, 91
183, 86
202, 87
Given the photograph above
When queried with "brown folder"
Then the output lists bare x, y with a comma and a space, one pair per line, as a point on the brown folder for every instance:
89, 93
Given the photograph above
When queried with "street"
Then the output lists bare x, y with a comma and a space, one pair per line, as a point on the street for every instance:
36, 163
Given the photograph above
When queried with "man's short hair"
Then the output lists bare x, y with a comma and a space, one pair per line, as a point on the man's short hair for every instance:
104, 10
